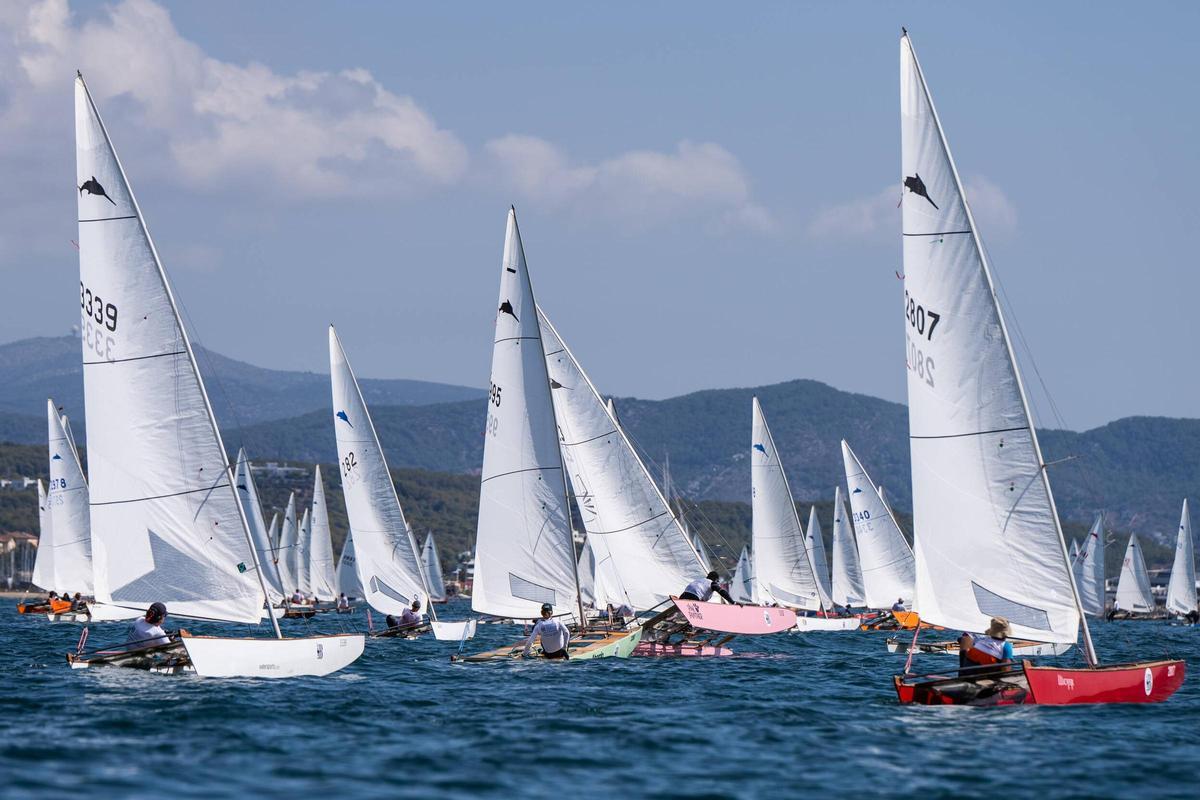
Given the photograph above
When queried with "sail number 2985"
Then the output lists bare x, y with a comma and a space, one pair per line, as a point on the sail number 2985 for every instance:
923, 320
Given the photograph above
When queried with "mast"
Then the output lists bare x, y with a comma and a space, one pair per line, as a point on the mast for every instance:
187, 344
1089, 647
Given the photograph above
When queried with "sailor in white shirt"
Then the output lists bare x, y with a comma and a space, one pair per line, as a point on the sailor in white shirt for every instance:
147, 631
553, 634
704, 589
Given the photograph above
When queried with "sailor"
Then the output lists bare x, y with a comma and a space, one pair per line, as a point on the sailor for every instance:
298, 597
411, 617
898, 605
992, 647
620, 614
147, 631
703, 589
553, 634
343, 604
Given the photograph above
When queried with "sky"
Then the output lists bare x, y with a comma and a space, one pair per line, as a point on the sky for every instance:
707, 194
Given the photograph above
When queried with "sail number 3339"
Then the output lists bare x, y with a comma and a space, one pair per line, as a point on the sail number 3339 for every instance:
95, 308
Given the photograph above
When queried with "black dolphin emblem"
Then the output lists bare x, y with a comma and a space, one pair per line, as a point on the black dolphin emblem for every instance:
506, 308
93, 187
917, 186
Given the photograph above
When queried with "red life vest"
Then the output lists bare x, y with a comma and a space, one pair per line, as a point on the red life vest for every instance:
985, 650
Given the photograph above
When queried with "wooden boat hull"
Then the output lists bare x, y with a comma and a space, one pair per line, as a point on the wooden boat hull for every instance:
166, 659
749, 620
1026, 684
585, 646
221, 657
816, 624
413, 632
1020, 647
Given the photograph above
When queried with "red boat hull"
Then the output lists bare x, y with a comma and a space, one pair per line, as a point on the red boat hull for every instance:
1146, 682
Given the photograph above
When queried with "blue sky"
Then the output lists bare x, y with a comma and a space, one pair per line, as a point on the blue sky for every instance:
706, 193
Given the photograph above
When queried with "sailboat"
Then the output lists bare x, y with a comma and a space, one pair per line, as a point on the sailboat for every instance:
1181, 591
886, 560
252, 508
1089, 570
388, 565
166, 522
320, 551
814, 542
43, 560
524, 549
1134, 599
67, 507
433, 570
988, 541
847, 588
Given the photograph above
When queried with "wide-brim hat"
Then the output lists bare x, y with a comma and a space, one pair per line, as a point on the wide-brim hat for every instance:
999, 629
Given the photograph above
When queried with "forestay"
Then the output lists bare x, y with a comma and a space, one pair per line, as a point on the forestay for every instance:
320, 555
628, 521
385, 553
783, 569
1133, 587
165, 520
67, 503
847, 575
248, 494
1089, 570
987, 539
433, 570
1181, 593
524, 554
886, 561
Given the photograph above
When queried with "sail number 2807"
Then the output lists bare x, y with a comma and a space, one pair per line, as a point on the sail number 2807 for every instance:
923, 320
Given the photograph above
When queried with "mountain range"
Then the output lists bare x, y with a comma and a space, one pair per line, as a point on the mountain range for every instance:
1138, 469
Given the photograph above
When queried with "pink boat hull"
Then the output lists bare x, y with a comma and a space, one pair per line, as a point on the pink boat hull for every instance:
657, 650
748, 620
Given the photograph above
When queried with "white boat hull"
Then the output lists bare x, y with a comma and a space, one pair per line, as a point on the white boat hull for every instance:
814, 624
951, 648
454, 631
219, 657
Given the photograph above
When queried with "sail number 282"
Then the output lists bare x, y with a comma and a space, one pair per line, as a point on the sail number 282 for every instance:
920, 318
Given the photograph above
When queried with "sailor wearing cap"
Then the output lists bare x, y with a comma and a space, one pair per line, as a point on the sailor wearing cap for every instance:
553, 634
992, 647
147, 631
704, 589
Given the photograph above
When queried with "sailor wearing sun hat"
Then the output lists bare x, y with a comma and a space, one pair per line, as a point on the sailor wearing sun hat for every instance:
990, 647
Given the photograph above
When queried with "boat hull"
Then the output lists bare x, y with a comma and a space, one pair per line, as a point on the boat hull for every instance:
1026, 684
220, 657
684, 650
583, 647
749, 620
816, 624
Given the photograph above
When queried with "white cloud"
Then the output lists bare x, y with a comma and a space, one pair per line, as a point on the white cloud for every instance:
303, 134
698, 180
877, 216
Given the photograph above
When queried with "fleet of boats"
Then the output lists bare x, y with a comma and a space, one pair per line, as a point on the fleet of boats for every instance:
163, 516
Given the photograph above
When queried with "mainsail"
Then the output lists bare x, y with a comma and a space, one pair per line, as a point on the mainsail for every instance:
783, 567
321, 580
1089, 570
1133, 587
385, 553
1181, 592
847, 575
887, 566
628, 521
248, 494
524, 553
433, 570
987, 539
165, 519
67, 503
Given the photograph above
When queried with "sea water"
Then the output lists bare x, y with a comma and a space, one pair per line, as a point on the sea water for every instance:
790, 715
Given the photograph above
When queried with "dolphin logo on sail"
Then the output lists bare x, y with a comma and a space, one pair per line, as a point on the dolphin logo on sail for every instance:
344, 418
917, 186
93, 187
507, 308
556, 385
57, 457
857, 490
760, 448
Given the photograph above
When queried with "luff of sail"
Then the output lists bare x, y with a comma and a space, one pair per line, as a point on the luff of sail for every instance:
524, 553
987, 539
320, 554
67, 503
166, 522
1133, 587
847, 588
386, 558
885, 558
1181, 591
783, 568
629, 523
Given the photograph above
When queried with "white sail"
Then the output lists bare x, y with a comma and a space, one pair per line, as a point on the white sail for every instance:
886, 561
165, 520
385, 553
248, 494
987, 539
320, 555
433, 570
348, 582
524, 554
847, 588
814, 541
1181, 592
742, 587
590, 588
286, 547
1133, 587
43, 561
783, 567
67, 503
628, 521
273, 533
706, 562
301, 562
1089, 570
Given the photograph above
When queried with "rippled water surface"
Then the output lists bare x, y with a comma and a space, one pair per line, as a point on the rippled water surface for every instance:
790, 715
